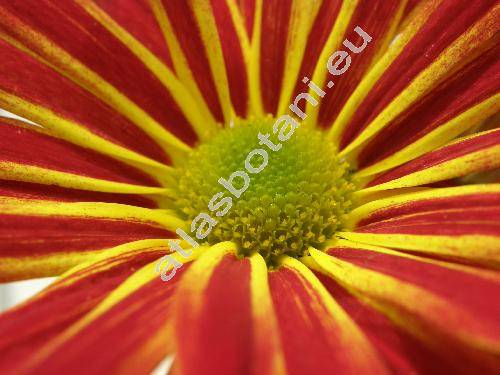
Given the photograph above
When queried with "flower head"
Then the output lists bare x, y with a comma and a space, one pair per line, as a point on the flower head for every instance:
329, 167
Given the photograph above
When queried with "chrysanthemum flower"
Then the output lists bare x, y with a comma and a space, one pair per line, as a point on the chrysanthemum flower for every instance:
368, 244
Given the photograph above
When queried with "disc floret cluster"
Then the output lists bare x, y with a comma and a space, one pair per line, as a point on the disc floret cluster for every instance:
300, 199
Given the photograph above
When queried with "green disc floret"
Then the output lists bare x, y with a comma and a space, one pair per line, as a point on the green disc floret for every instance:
299, 199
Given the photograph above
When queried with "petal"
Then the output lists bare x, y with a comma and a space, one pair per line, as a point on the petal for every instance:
86, 52
433, 311
476, 153
220, 315
460, 223
96, 343
428, 59
296, 38
106, 13
26, 190
380, 20
26, 328
44, 238
39, 161
401, 351
36, 92
460, 104
208, 50
317, 335
126, 13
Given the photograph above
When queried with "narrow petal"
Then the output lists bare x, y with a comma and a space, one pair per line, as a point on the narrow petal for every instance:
140, 97
218, 316
302, 18
402, 352
424, 61
377, 18
460, 223
476, 153
152, 33
26, 328
457, 106
225, 55
434, 312
193, 62
273, 27
148, 32
39, 161
27, 190
209, 107
317, 335
140, 307
37, 93
44, 238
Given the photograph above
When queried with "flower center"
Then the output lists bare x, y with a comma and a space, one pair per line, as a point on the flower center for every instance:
268, 194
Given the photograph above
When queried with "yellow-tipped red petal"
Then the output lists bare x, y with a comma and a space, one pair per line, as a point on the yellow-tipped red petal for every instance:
460, 223
476, 153
317, 335
92, 57
449, 310
224, 320
47, 160
26, 328
429, 75
42, 237
139, 306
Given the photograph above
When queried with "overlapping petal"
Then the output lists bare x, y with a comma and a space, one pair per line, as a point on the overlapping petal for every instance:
459, 222
101, 64
139, 306
224, 320
41, 237
445, 306
429, 62
47, 160
317, 335
28, 327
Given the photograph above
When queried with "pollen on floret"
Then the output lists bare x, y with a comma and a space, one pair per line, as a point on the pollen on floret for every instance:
300, 199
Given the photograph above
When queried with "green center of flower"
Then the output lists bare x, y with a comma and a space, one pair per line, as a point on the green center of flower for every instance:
267, 195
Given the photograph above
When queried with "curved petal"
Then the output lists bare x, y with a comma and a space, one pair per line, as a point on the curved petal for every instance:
31, 156
460, 223
428, 59
46, 237
126, 13
66, 111
380, 20
224, 317
438, 305
27, 327
208, 52
68, 39
401, 351
476, 153
317, 335
457, 106
139, 306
